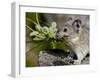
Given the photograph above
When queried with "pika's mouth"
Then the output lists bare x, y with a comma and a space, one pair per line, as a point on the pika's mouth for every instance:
65, 36
60, 39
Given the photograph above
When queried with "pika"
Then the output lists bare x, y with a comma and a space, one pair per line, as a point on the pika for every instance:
74, 29
76, 35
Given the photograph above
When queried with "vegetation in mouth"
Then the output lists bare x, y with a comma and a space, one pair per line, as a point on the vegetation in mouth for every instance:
45, 36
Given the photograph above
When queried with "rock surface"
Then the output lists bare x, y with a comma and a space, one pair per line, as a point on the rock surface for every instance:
57, 57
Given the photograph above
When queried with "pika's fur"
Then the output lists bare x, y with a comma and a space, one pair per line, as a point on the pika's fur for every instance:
75, 30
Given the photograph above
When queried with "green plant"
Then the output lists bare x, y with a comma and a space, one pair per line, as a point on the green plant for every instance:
45, 36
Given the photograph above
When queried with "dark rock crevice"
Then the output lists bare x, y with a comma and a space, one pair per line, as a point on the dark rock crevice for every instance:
56, 57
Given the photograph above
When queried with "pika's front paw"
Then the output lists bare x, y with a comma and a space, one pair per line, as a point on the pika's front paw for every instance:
77, 62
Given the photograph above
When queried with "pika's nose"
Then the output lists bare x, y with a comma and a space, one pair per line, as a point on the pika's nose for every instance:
57, 35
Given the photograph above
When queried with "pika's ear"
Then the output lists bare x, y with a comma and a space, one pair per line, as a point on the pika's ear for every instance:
77, 24
70, 18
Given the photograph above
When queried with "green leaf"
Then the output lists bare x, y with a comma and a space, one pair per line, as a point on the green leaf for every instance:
37, 39
53, 27
53, 24
38, 27
42, 36
34, 33
45, 30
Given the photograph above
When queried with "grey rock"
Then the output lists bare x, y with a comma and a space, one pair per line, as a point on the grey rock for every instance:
57, 57
54, 58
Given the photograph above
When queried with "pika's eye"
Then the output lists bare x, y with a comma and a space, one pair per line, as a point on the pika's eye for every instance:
78, 26
65, 29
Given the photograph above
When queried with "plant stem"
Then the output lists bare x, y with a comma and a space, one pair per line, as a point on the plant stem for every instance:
37, 19
53, 44
29, 28
34, 47
31, 21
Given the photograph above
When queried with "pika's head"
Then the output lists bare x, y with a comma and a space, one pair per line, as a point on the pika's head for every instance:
70, 30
